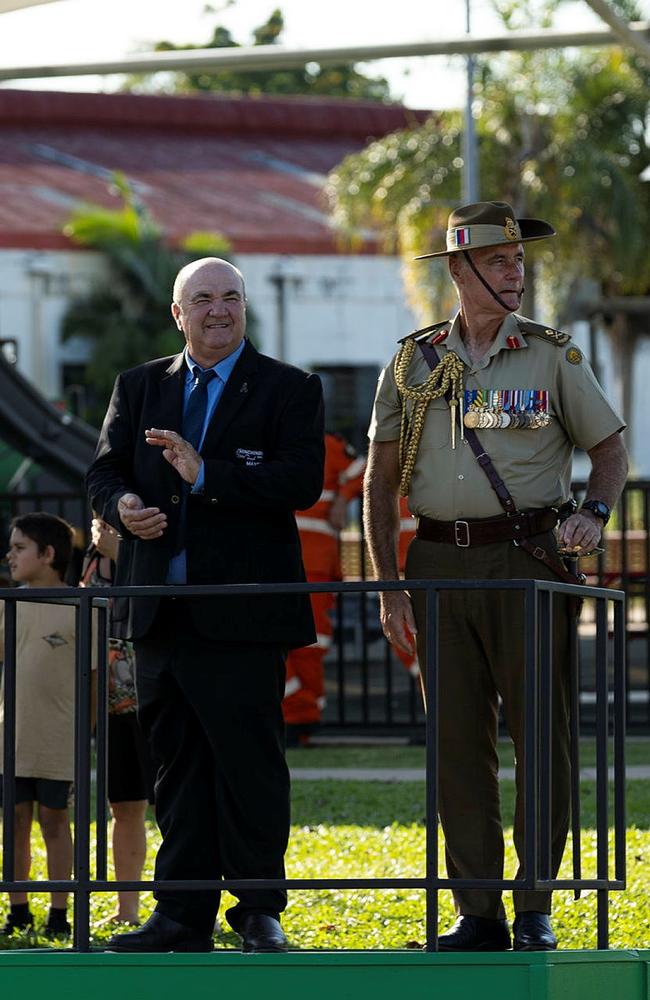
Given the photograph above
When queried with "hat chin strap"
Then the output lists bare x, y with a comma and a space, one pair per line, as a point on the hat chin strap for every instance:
495, 295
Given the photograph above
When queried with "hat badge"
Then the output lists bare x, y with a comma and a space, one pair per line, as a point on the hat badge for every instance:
511, 229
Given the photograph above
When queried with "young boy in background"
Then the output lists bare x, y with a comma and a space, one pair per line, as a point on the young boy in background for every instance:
40, 549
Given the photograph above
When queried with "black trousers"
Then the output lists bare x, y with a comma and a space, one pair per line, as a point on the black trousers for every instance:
481, 644
212, 714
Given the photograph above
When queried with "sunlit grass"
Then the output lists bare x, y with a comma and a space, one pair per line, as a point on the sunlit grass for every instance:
376, 829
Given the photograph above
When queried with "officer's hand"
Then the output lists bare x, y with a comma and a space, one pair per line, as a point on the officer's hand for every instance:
397, 620
581, 532
177, 451
143, 522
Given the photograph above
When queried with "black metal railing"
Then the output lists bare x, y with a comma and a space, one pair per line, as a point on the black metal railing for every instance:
538, 596
369, 691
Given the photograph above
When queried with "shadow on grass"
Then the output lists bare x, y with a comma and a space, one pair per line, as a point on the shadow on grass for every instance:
381, 803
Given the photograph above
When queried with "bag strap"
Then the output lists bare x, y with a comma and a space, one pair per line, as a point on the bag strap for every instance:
496, 482
503, 493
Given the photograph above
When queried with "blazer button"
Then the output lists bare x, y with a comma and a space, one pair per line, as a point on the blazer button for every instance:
176, 499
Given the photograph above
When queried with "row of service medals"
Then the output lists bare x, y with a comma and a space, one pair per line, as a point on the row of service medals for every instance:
501, 408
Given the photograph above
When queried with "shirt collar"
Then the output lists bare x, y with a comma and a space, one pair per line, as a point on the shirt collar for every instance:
509, 337
223, 368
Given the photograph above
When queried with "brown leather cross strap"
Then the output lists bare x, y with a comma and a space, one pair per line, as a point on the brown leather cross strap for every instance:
483, 459
503, 494
486, 530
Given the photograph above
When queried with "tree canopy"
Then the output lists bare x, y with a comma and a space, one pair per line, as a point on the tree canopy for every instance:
562, 136
126, 316
315, 80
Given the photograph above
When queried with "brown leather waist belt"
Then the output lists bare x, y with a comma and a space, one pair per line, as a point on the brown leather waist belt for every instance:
484, 531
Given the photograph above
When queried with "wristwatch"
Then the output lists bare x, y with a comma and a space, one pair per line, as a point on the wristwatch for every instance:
599, 508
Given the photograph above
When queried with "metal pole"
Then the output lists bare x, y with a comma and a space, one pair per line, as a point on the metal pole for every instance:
257, 57
470, 148
8, 5
279, 282
283, 278
621, 28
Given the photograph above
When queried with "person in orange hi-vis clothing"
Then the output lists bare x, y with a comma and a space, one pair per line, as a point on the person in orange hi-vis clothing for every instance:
407, 527
319, 527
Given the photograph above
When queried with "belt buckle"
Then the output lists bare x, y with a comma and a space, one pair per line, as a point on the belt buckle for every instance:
459, 527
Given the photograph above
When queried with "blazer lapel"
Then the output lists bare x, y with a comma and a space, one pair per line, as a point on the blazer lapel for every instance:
164, 409
236, 393
169, 410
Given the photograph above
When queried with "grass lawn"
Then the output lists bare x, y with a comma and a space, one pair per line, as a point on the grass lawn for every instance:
637, 752
376, 829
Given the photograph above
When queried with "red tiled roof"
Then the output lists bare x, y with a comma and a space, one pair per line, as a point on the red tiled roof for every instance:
250, 168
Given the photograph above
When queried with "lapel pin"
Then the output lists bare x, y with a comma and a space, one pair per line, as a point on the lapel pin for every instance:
244, 387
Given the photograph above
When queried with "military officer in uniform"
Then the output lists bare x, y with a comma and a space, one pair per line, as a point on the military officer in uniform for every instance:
530, 397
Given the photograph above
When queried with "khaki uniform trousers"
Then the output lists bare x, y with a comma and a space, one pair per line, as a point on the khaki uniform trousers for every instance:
481, 656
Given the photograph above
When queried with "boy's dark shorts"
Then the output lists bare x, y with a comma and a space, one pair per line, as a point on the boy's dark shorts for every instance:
46, 791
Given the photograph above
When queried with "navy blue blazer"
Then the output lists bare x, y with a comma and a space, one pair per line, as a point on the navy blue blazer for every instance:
263, 452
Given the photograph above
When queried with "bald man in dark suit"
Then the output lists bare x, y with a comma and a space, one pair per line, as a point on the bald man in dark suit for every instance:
202, 459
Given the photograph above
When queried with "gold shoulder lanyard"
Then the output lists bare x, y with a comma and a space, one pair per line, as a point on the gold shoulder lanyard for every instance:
446, 377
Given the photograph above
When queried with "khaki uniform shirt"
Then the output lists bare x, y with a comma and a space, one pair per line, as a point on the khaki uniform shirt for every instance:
534, 463
45, 684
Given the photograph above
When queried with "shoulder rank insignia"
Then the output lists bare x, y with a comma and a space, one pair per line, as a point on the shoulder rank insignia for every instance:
573, 356
546, 333
423, 334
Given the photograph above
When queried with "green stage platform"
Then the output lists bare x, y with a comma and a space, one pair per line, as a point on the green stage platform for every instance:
384, 975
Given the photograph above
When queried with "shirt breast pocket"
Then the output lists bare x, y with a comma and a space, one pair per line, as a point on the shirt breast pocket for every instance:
436, 432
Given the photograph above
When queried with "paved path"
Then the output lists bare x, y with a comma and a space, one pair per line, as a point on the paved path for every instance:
418, 774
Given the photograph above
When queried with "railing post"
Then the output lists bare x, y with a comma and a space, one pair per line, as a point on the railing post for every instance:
101, 743
340, 662
602, 777
619, 740
9, 748
82, 774
531, 734
545, 598
432, 671
574, 748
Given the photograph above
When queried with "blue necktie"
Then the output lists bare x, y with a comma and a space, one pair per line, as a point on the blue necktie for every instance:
193, 420
197, 405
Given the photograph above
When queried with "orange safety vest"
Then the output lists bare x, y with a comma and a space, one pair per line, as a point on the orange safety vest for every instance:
344, 471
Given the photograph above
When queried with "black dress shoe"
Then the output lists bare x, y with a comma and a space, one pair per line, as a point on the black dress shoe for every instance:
160, 933
261, 933
476, 934
533, 932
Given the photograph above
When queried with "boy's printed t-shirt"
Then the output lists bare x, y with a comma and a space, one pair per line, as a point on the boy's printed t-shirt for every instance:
45, 685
